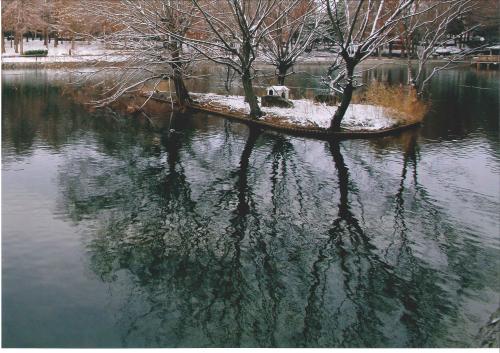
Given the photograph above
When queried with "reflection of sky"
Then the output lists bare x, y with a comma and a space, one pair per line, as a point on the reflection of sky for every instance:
41, 255
467, 178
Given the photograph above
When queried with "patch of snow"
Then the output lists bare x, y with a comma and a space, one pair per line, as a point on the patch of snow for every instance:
234, 103
304, 112
367, 117
83, 51
61, 59
307, 113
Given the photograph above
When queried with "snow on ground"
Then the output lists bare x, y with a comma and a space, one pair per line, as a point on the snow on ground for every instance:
309, 113
83, 51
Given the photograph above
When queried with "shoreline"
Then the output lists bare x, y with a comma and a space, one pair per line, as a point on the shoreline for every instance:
278, 121
295, 129
322, 134
50, 65
58, 62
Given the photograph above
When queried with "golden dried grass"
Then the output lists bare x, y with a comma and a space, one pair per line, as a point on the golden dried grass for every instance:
403, 103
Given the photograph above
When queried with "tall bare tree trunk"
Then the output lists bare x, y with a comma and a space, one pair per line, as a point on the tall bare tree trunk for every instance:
56, 40
250, 96
21, 46
282, 71
72, 48
104, 36
180, 89
16, 43
246, 79
411, 79
346, 97
45, 35
3, 44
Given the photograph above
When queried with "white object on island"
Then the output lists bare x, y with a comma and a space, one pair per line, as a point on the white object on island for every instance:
281, 91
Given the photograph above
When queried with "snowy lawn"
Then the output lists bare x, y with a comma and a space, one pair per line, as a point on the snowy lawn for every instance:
308, 113
82, 52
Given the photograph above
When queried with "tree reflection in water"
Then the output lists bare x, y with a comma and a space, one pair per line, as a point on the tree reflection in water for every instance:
216, 245
220, 235
219, 269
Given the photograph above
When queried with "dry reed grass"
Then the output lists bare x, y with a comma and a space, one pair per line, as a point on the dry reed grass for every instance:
402, 103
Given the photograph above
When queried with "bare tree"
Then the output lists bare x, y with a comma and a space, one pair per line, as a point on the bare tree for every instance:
234, 29
359, 28
71, 22
51, 17
291, 36
19, 16
148, 35
426, 24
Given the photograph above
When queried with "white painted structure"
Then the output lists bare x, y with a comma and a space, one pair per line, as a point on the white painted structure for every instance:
282, 91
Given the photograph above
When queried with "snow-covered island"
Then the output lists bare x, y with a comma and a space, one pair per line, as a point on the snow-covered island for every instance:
308, 114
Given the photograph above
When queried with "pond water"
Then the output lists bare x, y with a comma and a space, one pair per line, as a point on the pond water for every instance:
116, 233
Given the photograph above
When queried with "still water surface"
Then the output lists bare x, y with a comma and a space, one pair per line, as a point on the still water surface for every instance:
119, 234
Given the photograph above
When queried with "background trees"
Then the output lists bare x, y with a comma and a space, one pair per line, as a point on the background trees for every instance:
291, 36
429, 24
160, 39
19, 17
485, 18
148, 35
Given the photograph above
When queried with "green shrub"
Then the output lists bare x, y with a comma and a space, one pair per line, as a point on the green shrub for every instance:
39, 52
